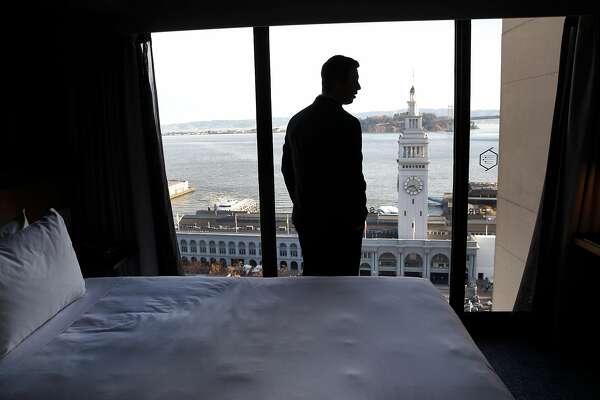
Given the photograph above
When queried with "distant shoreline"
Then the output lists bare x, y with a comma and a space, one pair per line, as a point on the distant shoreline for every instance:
223, 127
275, 130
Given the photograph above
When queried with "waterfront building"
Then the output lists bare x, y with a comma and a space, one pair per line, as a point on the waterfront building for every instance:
424, 258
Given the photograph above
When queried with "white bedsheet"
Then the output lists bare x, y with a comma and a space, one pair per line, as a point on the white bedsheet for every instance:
253, 338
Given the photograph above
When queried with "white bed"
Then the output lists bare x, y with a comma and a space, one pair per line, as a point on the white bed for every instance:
252, 338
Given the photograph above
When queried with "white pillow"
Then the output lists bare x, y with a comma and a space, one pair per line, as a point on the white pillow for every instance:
39, 276
13, 226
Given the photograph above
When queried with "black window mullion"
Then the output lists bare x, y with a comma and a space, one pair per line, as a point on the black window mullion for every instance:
460, 189
264, 141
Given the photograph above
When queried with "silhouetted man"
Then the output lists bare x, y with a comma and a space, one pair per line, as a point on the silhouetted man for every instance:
322, 167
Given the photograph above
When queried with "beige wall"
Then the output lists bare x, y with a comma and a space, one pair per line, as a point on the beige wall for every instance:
530, 59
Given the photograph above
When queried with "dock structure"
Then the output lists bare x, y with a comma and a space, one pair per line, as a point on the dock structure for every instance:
179, 188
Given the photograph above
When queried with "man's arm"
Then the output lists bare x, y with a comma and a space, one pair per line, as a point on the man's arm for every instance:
358, 164
287, 169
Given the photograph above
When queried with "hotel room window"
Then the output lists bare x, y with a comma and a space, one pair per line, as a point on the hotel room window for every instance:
483, 163
403, 109
514, 72
205, 86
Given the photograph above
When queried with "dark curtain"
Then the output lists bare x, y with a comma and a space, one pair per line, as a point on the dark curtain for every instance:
164, 229
553, 281
119, 189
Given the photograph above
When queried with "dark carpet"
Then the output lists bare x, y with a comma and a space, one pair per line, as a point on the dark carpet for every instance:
535, 372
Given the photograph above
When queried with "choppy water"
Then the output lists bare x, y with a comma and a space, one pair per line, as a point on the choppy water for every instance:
225, 166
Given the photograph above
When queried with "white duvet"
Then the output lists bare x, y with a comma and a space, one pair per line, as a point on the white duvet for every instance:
252, 338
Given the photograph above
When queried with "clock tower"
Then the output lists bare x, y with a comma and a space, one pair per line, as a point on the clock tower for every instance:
413, 167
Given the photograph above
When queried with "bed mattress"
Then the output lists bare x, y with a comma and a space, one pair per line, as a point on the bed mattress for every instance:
252, 338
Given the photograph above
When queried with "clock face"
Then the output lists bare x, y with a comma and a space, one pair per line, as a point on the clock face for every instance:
413, 185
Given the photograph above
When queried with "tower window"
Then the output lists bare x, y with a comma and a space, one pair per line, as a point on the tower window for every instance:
413, 201
421, 213
405, 213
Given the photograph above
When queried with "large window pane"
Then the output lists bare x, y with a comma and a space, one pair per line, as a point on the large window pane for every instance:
483, 166
514, 71
406, 74
205, 83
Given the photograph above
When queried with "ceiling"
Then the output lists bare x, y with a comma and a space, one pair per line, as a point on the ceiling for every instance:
163, 15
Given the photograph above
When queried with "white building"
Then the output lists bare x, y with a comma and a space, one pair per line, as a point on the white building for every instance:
413, 168
178, 188
380, 257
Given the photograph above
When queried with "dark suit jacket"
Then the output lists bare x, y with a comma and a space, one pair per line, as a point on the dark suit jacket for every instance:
322, 167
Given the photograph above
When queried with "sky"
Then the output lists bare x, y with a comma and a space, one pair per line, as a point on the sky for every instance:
209, 74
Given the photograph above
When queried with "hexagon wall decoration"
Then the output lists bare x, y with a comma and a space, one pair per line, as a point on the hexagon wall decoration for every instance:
488, 159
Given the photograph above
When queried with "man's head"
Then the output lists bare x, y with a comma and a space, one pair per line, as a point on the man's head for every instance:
339, 78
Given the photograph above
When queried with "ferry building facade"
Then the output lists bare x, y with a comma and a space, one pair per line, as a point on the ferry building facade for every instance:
384, 257
411, 254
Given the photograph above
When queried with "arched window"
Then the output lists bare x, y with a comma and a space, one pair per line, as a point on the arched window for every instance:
413, 265
283, 250
439, 273
222, 247
242, 248
251, 248
440, 261
184, 247
365, 269
387, 264
212, 247
293, 250
294, 266
202, 246
413, 260
193, 247
231, 247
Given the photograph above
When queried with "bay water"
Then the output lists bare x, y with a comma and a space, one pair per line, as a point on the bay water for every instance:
224, 166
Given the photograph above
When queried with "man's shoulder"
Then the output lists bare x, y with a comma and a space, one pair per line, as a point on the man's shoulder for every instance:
300, 116
350, 120
351, 117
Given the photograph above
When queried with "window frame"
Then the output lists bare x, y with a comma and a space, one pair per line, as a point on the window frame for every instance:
462, 100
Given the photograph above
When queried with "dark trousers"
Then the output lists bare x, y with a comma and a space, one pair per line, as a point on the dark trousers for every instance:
330, 252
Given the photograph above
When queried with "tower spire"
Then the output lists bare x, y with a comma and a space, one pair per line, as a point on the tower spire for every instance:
412, 103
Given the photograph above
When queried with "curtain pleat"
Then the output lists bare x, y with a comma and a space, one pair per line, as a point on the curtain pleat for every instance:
119, 188
167, 249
